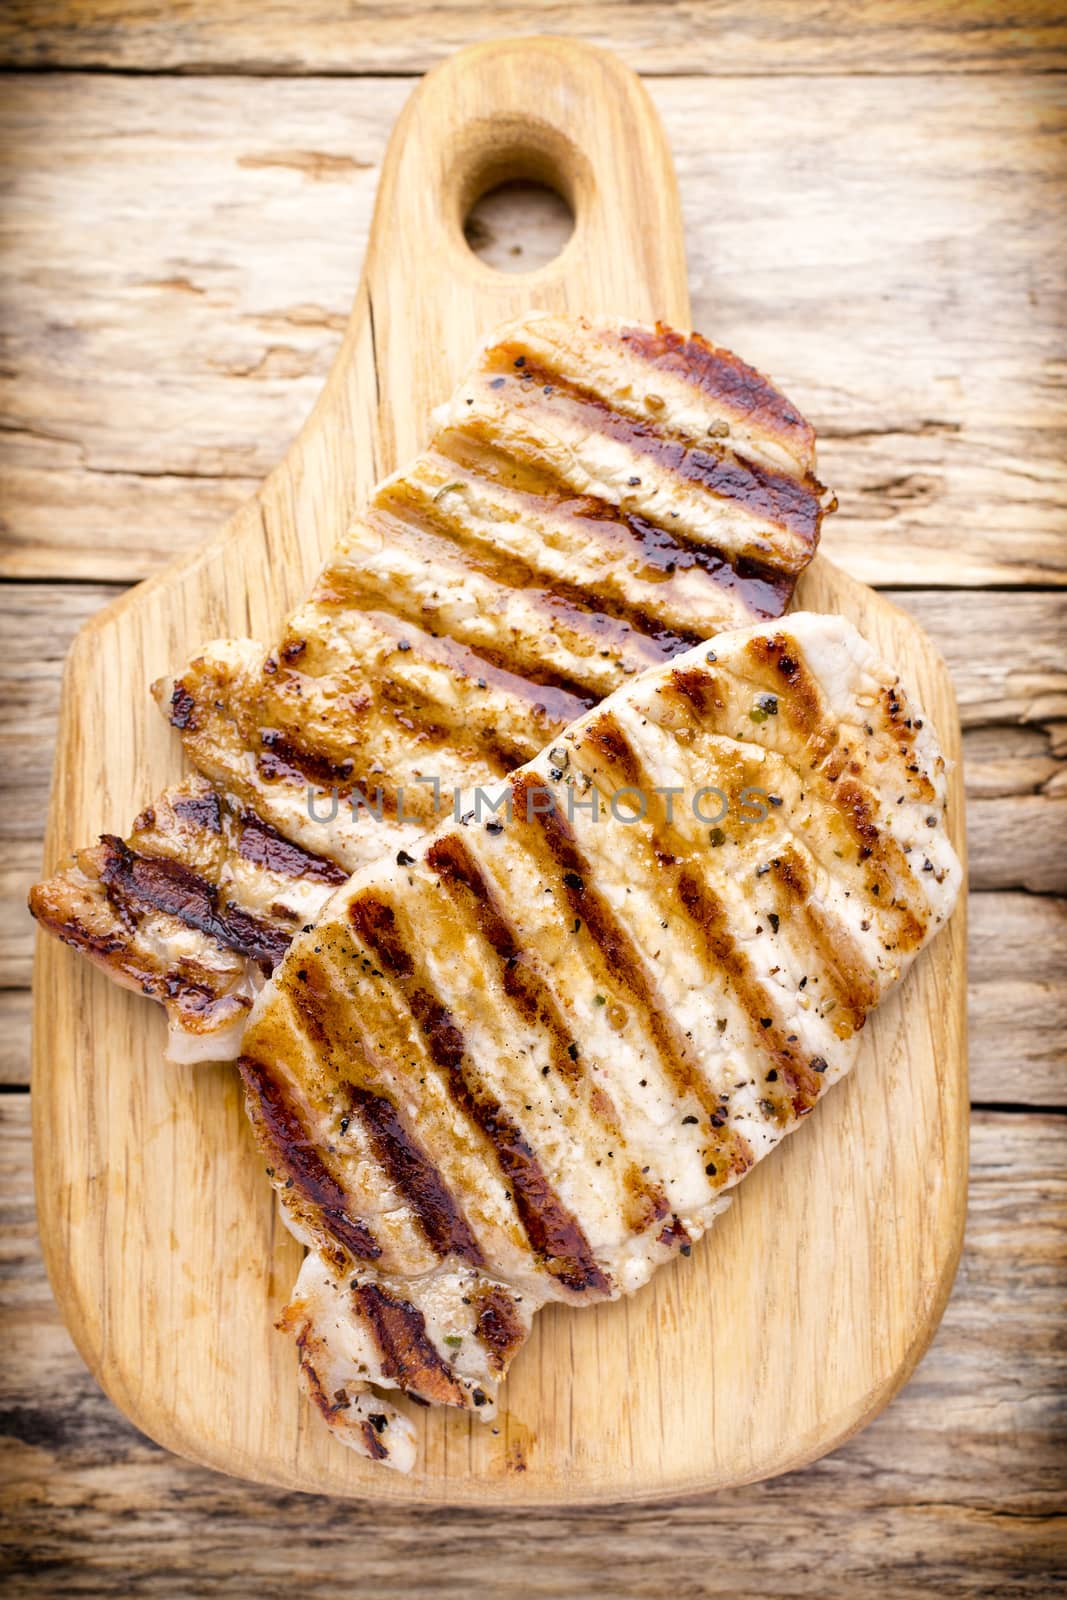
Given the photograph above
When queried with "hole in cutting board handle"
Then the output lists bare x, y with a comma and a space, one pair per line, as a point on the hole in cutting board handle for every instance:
519, 226
523, 188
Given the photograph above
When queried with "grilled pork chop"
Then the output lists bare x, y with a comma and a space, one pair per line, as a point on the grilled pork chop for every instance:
526, 1060
595, 500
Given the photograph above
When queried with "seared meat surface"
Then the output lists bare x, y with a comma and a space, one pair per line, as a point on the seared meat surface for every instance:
596, 500
526, 1058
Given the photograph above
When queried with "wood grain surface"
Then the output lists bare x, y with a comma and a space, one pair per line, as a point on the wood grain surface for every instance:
658, 36
959, 1487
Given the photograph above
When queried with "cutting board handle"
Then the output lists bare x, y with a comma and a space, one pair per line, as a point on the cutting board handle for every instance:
564, 114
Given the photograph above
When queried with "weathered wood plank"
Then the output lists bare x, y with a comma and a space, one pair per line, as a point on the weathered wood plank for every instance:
14, 1036
956, 1489
730, 36
1016, 1017
170, 319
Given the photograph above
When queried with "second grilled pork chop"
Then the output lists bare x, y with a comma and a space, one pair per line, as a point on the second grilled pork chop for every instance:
526, 1061
596, 499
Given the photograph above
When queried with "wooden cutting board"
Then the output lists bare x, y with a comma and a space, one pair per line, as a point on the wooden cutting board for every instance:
809, 1304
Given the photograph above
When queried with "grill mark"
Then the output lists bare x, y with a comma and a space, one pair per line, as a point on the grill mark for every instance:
886, 862
761, 588
264, 846
611, 744
202, 811
283, 757
371, 1442
528, 701
723, 376
595, 630
553, 1232
402, 1158
286, 761
573, 601
842, 961
196, 999
158, 883
796, 1090
287, 1141
560, 694
536, 1003
699, 689
731, 1152
408, 1355
617, 952
782, 657
498, 1327
529, 994
791, 504
843, 797
412, 1172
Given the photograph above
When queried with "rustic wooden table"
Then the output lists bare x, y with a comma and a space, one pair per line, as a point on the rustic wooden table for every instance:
874, 203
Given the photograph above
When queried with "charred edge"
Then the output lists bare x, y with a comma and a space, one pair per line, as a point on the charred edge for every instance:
760, 586
790, 503
551, 1229
408, 1355
159, 884
443, 1224
533, 1000
499, 1327
676, 1235
264, 846
182, 706
617, 951
723, 376
797, 1087
576, 603
194, 999
200, 811
371, 1442
290, 1145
